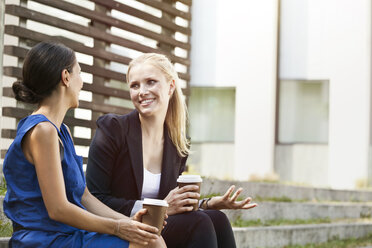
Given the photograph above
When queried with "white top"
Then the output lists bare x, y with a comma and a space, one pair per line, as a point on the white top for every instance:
150, 189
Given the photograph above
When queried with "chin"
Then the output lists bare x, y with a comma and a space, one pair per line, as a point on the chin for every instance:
145, 112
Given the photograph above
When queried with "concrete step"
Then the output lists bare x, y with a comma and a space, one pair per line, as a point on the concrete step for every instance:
293, 210
277, 190
280, 236
4, 242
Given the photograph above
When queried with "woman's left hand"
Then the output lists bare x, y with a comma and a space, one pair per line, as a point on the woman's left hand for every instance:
227, 202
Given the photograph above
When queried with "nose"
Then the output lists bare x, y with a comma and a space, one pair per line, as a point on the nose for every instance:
143, 90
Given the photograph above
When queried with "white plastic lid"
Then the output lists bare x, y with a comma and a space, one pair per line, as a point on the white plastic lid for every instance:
156, 202
189, 179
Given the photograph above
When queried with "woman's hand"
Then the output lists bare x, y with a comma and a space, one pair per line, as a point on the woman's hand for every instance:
180, 200
227, 202
140, 213
135, 231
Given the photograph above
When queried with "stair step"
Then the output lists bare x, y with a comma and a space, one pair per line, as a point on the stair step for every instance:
4, 242
292, 210
280, 236
277, 190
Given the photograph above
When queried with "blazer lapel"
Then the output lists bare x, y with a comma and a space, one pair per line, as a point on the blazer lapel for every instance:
135, 149
168, 171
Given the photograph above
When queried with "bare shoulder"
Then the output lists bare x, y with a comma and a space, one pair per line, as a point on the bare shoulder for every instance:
43, 132
42, 136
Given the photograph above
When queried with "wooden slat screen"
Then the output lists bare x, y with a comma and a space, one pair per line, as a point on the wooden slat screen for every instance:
106, 34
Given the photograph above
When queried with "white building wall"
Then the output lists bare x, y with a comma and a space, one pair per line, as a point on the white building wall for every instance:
331, 39
242, 41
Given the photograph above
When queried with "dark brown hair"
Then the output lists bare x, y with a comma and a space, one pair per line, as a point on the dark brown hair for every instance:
42, 71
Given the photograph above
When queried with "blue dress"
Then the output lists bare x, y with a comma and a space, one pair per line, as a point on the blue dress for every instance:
24, 205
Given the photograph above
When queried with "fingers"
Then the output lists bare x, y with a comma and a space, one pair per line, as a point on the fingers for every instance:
189, 195
236, 194
188, 201
147, 235
188, 188
147, 228
249, 206
138, 216
229, 191
186, 209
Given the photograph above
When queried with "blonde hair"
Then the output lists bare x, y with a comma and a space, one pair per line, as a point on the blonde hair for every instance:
176, 117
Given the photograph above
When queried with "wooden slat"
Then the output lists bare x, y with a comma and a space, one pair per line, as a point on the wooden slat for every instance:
3, 153
98, 71
102, 72
107, 91
32, 35
70, 121
81, 141
11, 134
101, 108
143, 15
167, 8
96, 16
12, 71
187, 2
87, 31
8, 133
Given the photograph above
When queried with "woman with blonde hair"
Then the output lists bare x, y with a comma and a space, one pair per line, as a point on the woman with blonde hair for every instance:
141, 154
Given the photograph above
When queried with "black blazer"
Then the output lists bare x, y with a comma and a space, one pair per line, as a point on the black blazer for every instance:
115, 163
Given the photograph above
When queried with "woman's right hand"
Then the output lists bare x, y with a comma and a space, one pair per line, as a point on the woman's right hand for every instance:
134, 231
180, 199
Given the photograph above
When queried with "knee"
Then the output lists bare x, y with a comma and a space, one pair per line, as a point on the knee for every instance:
218, 217
202, 220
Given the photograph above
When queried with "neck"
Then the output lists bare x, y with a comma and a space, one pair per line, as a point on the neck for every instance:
54, 108
152, 127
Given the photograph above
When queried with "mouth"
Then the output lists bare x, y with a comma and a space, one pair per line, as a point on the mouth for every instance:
146, 102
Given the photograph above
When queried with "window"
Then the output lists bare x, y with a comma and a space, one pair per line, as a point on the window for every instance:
303, 111
212, 114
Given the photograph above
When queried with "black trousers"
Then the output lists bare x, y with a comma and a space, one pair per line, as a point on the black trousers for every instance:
207, 229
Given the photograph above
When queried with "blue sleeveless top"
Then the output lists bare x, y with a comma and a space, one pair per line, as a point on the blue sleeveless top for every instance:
24, 205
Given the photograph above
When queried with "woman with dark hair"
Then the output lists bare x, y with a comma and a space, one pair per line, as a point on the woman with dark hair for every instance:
141, 154
47, 198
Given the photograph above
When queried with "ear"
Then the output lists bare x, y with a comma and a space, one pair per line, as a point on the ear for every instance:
172, 87
65, 75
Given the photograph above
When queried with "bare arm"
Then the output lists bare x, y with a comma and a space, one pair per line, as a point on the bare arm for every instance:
42, 146
95, 206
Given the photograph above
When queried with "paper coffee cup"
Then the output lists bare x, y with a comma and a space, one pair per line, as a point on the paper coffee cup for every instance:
184, 180
155, 215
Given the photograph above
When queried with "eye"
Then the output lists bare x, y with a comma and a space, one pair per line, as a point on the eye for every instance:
134, 86
151, 82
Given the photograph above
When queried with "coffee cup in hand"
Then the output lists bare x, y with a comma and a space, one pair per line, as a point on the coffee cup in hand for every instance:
156, 210
184, 180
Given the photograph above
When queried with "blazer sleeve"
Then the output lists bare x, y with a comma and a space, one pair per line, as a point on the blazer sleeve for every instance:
103, 152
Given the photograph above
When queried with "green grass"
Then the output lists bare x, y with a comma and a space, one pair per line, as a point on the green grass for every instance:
277, 222
337, 243
2, 186
6, 229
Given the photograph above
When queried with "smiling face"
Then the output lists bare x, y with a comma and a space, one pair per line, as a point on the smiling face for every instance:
149, 89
